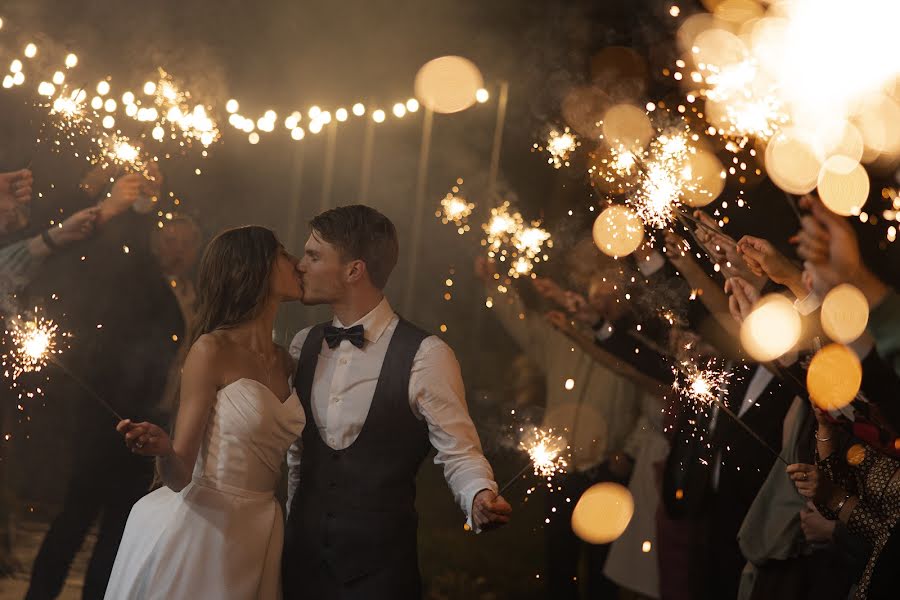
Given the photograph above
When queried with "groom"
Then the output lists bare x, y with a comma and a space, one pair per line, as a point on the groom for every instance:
378, 393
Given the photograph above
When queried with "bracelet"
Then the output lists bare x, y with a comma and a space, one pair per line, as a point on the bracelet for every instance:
45, 236
837, 511
818, 439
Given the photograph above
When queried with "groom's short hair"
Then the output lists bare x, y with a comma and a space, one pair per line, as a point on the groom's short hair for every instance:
360, 232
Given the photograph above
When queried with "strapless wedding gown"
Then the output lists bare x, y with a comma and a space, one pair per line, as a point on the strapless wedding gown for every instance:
221, 536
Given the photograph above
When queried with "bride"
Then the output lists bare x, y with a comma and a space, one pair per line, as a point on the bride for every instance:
215, 529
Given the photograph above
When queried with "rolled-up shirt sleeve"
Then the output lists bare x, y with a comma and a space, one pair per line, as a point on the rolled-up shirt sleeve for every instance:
437, 394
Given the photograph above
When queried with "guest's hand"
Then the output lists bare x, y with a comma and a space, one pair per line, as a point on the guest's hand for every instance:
16, 186
579, 307
764, 260
724, 251
621, 465
677, 249
816, 528
96, 180
489, 510
145, 438
485, 269
806, 479
125, 192
549, 289
742, 297
558, 319
828, 244
77, 227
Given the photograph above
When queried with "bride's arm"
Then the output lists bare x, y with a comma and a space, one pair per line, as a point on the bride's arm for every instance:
198, 393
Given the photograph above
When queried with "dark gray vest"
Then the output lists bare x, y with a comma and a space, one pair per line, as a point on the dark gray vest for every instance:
355, 508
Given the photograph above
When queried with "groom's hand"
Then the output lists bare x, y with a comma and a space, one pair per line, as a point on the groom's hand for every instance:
489, 510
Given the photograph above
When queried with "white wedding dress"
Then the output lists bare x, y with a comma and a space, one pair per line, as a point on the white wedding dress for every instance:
221, 536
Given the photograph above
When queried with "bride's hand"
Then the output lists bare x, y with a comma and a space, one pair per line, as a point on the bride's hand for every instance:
145, 438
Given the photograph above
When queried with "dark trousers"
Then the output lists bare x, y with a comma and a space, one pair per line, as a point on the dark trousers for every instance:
395, 581
106, 483
565, 549
822, 575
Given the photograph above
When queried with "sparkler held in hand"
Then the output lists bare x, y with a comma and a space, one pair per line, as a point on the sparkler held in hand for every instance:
35, 345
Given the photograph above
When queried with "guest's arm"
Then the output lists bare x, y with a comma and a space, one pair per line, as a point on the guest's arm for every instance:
534, 335
437, 395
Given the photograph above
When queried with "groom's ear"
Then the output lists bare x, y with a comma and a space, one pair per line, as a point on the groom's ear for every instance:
356, 271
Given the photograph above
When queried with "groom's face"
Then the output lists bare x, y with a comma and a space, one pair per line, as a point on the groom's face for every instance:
323, 272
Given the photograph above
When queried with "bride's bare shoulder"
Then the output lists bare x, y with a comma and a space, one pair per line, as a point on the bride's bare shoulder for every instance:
210, 345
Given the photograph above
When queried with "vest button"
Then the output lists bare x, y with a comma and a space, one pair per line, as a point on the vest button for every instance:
332, 485
330, 515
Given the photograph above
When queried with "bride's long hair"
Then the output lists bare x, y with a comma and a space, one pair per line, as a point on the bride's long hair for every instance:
232, 288
233, 278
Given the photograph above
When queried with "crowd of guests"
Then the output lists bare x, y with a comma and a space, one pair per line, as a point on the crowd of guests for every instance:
717, 515
114, 269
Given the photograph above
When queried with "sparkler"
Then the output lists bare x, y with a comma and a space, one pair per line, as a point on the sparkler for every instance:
174, 106
741, 105
507, 236
707, 386
119, 150
34, 342
35, 345
455, 209
657, 179
560, 147
546, 451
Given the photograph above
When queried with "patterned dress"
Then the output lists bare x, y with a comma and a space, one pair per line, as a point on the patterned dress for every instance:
875, 479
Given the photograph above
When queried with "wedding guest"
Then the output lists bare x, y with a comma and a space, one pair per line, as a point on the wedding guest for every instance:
129, 325
595, 409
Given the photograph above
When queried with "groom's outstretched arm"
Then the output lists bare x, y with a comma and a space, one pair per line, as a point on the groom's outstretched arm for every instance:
437, 394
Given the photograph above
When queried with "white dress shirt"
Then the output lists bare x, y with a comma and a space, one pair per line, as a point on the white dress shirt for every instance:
344, 385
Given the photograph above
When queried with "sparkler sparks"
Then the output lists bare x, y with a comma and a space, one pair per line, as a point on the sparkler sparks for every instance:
455, 209
119, 150
546, 452
560, 147
701, 387
740, 104
34, 341
174, 104
507, 236
655, 180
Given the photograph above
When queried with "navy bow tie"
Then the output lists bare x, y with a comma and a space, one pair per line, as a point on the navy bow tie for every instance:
334, 335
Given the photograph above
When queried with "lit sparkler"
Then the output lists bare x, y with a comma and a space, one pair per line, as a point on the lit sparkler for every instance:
707, 386
655, 180
34, 342
508, 236
119, 150
560, 146
456, 209
701, 387
546, 450
174, 105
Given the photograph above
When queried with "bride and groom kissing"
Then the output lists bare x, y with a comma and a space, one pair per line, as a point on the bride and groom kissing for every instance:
355, 404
